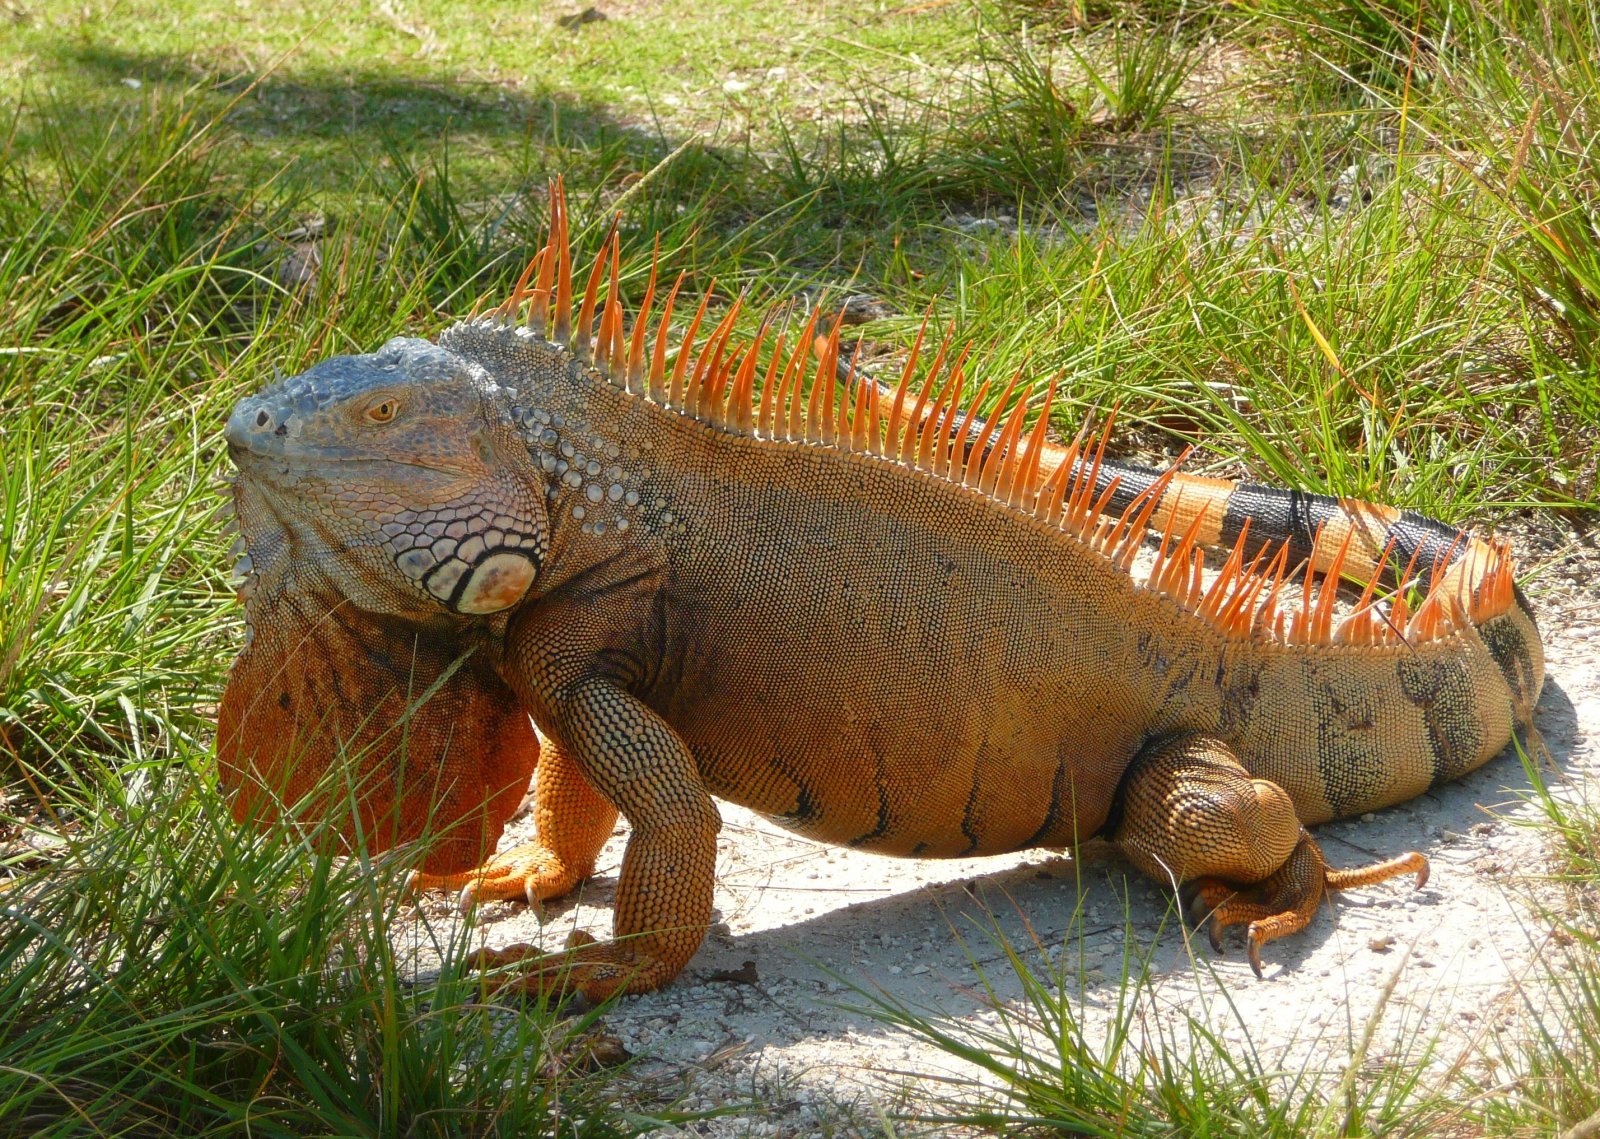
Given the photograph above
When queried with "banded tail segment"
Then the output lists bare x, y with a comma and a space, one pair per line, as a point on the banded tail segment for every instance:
1314, 526
1281, 543
1341, 538
1364, 542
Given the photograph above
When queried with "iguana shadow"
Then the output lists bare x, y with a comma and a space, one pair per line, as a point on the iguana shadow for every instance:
954, 942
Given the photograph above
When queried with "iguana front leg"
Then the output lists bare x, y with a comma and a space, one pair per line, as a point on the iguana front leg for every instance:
572, 660
572, 821
1192, 815
664, 894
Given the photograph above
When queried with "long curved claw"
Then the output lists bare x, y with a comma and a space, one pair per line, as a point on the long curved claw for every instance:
1238, 911
1202, 899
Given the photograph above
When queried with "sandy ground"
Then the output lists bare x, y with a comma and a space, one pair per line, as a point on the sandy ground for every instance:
757, 1016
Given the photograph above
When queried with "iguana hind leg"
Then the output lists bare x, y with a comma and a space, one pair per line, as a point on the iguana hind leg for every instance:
1192, 815
573, 822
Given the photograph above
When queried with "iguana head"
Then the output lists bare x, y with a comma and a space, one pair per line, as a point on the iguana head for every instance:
399, 475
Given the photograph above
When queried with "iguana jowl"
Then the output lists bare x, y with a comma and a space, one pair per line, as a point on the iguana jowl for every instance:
869, 622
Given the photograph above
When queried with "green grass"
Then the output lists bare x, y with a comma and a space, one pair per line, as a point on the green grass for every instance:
1554, 1074
1063, 1058
173, 974
1348, 246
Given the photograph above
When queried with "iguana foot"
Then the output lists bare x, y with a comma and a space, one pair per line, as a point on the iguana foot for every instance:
597, 969
573, 822
531, 872
1192, 815
1286, 902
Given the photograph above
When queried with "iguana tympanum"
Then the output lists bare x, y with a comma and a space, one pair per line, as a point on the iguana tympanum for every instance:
867, 621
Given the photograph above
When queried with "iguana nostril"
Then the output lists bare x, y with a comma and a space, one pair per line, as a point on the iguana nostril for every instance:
262, 419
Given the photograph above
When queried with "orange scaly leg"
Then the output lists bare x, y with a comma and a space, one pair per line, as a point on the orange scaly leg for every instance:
628, 755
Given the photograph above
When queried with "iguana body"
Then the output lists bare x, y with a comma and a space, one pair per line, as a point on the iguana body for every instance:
858, 621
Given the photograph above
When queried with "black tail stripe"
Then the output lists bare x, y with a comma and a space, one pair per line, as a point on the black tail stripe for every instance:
1294, 516
1433, 543
1131, 482
1275, 515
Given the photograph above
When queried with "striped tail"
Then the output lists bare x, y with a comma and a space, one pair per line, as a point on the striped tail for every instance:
1362, 541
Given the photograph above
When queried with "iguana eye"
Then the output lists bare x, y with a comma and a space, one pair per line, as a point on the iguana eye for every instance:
383, 410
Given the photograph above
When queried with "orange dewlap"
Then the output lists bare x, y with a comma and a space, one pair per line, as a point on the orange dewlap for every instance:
317, 703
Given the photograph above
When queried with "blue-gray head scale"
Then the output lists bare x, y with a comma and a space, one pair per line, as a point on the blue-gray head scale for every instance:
400, 473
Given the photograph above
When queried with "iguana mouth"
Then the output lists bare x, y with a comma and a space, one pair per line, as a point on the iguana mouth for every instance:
255, 459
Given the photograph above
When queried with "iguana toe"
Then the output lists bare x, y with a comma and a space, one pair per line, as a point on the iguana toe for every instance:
1410, 862
530, 872
597, 969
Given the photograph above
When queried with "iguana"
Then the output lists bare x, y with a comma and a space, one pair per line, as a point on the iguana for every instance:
873, 622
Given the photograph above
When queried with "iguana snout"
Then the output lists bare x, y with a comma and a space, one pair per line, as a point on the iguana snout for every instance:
399, 472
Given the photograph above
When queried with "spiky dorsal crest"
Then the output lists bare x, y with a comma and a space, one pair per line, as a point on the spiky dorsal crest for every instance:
713, 380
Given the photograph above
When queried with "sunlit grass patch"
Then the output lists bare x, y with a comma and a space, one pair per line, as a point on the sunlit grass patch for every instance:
173, 973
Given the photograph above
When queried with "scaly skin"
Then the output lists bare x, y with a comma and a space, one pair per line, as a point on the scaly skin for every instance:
691, 605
